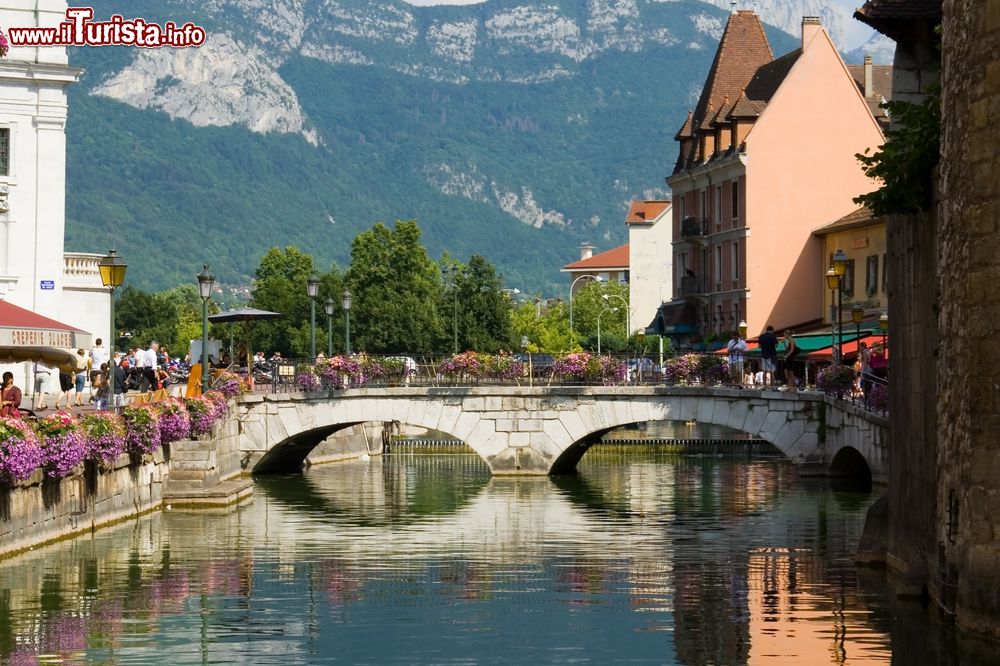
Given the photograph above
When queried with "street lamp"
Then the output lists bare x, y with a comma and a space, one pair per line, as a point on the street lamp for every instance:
329, 306
112, 269
454, 321
205, 284
857, 314
743, 329
595, 278
628, 315
840, 268
599, 327
883, 323
833, 282
345, 302
312, 288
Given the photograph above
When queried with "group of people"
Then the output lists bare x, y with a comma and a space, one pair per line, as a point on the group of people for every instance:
148, 367
741, 375
92, 367
870, 365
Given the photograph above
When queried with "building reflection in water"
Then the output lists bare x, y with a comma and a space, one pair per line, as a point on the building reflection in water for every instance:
713, 560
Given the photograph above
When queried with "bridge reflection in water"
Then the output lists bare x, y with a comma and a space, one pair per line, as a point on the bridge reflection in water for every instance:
430, 559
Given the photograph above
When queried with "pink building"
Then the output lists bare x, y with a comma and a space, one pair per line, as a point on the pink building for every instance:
766, 158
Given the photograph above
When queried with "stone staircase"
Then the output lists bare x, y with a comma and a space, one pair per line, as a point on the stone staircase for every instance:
194, 477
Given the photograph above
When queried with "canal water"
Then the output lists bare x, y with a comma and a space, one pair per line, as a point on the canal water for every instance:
641, 558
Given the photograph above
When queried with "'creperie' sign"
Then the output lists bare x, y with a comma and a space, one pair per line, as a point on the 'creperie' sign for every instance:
33, 337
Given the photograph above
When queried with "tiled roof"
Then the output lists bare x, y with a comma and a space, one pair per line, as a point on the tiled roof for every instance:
742, 50
643, 212
862, 217
881, 79
747, 108
685, 131
768, 77
901, 9
612, 259
887, 15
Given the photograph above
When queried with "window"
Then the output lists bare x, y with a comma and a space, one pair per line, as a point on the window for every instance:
736, 260
718, 204
703, 211
624, 278
4, 151
871, 275
718, 267
734, 192
682, 206
719, 320
847, 283
682, 268
885, 272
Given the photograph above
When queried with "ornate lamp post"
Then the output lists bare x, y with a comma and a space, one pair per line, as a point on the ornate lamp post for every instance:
599, 327
833, 282
345, 302
840, 268
883, 323
329, 306
312, 289
205, 284
742, 326
595, 278
112, 268
857, 314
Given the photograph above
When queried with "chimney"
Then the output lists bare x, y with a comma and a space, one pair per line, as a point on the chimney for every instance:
810, 26
586, 251
869, 73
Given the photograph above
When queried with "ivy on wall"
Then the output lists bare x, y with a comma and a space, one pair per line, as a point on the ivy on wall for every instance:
905, 162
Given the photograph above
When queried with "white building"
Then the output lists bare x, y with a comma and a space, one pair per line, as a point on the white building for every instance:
650, 253
643, 263
35, 272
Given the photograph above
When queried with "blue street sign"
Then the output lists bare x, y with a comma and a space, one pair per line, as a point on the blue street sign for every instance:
48, 285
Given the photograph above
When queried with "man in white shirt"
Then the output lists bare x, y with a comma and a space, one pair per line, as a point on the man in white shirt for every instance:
148, 366
98, 356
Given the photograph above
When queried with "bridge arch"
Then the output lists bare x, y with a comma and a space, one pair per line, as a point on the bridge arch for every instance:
523, 431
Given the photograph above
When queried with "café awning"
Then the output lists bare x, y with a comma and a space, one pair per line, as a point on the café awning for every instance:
28, 336
850, 348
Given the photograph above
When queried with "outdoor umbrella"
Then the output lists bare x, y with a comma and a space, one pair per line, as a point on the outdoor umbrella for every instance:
28, 336
245, 315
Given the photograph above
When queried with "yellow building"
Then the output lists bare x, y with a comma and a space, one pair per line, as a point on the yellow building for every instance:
862, 238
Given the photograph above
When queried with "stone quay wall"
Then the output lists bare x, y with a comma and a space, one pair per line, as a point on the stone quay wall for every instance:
40, 510
967, 569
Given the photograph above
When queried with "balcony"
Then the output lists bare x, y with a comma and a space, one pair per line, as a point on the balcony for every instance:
692, 285
80, 269
694, 228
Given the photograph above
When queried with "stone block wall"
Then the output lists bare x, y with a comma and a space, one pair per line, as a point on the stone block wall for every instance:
40, 510
967, 570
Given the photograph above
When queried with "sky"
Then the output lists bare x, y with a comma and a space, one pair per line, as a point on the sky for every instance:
856, 31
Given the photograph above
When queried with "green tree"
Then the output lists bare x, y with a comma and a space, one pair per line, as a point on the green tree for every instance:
396, 290
546, 328
588, 304
474, 302
280, 286
143, 317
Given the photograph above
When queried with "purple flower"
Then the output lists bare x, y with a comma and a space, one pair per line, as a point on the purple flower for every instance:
174, 426
106, 435
142, 429
63, 452
20, 454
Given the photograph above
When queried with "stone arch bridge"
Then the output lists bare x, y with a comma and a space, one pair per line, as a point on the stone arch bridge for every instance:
546, 430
